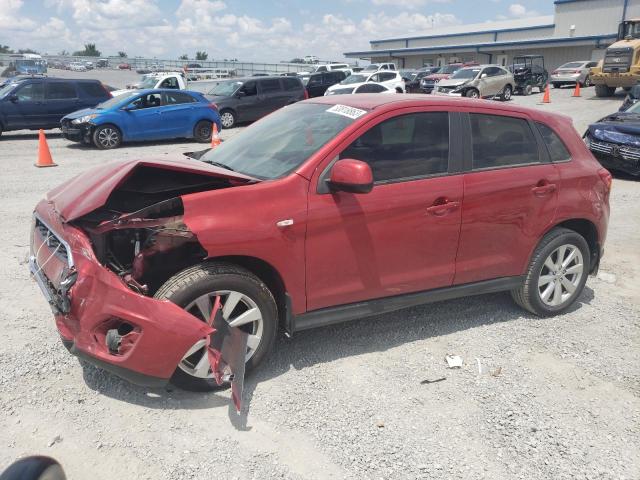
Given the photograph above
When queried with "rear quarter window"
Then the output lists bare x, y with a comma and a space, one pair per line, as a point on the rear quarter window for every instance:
91, 89
291, 83
558, 151
60, 91
270, 85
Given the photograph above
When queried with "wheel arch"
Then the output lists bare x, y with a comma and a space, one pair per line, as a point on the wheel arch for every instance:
110, 122
588, 230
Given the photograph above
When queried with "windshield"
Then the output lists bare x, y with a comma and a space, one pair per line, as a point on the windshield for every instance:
112, 102
6, 89
448, 69
635, 108
466, 73
572, 65
148, 82
225, 89
371, 68
354, 79
281, 142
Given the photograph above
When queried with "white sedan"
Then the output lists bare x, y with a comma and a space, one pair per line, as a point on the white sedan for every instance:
361, 88
391, 80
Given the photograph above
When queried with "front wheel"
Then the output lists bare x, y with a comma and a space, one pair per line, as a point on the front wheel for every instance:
472, 93
106, 137
556, 275
227, 119
527, 90
246, 302
604, 91
202, 131
587, 82
506, 93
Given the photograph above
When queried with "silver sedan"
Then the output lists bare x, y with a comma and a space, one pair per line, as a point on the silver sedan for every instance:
572, 73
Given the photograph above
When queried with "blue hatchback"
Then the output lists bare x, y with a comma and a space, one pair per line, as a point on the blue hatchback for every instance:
143, 115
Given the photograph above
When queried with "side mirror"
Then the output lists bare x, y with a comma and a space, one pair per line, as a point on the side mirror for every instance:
128, 108
13, 98
353, 176
240, 94
484, 75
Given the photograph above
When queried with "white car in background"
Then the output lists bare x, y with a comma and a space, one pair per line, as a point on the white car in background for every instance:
376, 67
369, 87
77, 67
390, 80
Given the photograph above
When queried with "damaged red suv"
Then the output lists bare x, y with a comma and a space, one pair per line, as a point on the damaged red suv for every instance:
328, 210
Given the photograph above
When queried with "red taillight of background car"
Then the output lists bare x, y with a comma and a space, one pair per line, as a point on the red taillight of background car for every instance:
106, 90
306, 94
577, 71
607, 178
213, 106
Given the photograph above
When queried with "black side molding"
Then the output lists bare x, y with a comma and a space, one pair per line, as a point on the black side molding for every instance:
353, 311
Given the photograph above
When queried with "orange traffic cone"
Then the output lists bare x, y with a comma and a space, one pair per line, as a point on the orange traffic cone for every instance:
215, 138
576, 92
44, 155
547, 95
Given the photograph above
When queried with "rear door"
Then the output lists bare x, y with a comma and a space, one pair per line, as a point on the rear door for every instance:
510, 197
61, 98
27, 109
315, 85
249, 104
403, 235
177, 114
271, 94
91, 93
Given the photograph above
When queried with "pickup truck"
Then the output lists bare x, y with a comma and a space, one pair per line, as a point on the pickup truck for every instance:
174, 80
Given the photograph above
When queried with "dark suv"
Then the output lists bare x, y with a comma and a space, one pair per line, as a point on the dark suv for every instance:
247, 99
41, 102
318, 83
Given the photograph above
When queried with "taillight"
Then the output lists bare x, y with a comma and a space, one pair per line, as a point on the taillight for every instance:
306, 94
106, 91
555, 72
577, 71
213, 106
607, 178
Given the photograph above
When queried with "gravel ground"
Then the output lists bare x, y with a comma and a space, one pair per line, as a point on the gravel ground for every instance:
535, 399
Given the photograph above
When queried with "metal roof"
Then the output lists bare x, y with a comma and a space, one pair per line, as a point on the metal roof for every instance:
518, 24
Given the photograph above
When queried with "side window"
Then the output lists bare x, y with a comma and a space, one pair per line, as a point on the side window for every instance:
314, 80
249, 89
556, 147
92, 89
500, 141
171, 82
31, 92
176, 98
385, 77
60, 91
269, 86
150, 100
407, 146
492, 71
370, 88
291, 83
321, 69
375, 78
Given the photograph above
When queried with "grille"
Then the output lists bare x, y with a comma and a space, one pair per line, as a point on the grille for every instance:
627, 153
52, 241
617, 60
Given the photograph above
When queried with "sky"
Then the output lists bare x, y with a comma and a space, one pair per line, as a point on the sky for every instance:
268, 30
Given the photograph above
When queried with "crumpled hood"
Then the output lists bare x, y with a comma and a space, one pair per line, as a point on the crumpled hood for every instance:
452, 82
438, 76
90, 190
620, 127
82, 113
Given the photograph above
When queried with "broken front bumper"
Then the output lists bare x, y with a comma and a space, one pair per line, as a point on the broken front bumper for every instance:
76, 132
89, 300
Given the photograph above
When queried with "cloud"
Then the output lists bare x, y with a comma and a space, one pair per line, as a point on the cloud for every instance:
408, 4
11, 20
517, 10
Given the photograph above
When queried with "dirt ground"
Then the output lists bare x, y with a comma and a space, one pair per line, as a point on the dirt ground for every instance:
535, 399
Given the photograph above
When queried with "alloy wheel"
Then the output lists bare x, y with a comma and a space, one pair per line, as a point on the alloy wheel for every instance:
239, 311
227, 120
560, 275
108, 137
506, 95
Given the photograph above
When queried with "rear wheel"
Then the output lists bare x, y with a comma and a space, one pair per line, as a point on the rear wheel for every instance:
246, 302
202, 131
527, 90
604, 91
106, 137
227, 119
587, 82
506, 93
556, 275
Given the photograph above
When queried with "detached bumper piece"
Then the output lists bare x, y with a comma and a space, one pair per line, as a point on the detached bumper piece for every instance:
76, 132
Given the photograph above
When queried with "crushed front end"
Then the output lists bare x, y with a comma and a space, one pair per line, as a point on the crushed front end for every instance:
99, 270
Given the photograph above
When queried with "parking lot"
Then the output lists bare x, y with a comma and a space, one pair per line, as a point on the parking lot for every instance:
535, 399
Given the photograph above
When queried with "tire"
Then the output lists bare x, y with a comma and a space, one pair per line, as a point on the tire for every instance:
0, 129
227, 118
587, 82
106, 137
220, 277
531, 295
472, 93
527, 90
505, 96
202, 131
604, 91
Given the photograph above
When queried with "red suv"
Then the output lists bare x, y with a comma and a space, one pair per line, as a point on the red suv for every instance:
327, 210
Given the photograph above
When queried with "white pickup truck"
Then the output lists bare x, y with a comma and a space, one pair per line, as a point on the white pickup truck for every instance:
174, 80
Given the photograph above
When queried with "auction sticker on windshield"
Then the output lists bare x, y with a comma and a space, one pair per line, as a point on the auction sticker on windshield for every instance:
350, 112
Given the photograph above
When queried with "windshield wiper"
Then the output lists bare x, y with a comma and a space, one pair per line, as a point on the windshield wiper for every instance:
218, 164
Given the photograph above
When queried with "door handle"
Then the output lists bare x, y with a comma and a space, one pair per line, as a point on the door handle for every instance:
443, 208
543, 188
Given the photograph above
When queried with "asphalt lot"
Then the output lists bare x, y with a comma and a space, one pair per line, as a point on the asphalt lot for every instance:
555, 398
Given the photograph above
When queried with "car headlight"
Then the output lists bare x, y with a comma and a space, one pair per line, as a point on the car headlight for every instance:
84, 119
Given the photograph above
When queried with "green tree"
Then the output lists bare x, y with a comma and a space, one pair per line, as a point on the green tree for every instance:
122, 54
201, 55
184, 56
5, 49
90, 50
26, 50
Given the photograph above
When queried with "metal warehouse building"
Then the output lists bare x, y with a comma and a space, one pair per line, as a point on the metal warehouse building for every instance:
579, 30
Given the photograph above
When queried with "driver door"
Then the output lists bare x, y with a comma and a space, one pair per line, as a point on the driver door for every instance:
248, 106
144, 119
389, 241
27, 109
